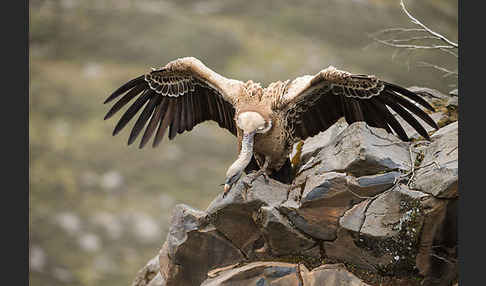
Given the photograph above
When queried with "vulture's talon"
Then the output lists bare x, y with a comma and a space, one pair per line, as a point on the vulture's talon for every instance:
266, 178
254, 175
257, 174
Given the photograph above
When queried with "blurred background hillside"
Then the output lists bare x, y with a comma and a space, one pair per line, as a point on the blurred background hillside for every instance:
99, 209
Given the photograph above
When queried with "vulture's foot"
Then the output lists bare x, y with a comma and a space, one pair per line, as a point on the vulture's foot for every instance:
253, 176
262, 171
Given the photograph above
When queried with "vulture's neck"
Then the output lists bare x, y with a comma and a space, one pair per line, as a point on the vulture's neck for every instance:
246, 152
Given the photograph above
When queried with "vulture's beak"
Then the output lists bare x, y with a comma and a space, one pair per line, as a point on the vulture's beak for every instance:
230, 181
227, 187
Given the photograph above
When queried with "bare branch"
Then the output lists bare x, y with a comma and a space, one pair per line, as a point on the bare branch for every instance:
413, 39
398, 43
408, 46
439, 68
399, 30
417, 22
450, 52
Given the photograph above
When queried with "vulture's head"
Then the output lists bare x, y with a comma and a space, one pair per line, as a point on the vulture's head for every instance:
250, 122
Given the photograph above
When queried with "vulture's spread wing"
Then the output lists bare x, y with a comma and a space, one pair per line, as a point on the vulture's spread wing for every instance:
314, 103
177, 97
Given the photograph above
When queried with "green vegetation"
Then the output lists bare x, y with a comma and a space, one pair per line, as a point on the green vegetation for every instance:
99, 210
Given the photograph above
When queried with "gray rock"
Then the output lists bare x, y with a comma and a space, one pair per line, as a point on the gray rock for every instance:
453, 102
256, 273
327, 197
338, 188
233, 215
324, 199
284, 274
368, 186
193, 247
314, 144
452, 127
353, 219
454, 92
438, 174
382, 232
280, 235
382, 214
437, 252
330, 275
412, 194
360, 150
347, 247
245, 192
149, 275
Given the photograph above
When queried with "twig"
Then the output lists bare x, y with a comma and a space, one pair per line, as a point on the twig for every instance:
417, 22
450, 52
421, 38
413, 39
387, 43
455, 148
437, 165
448, 47
439, 68
399, 30
412, 164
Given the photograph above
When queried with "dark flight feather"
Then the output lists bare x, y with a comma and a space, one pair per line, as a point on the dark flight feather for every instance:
357, 98
176, 101
373, 117
415, 97
405, 115
175, 121
164, 123
182, 113
154, 120
122, 89
143, 118
131, 111
124, 100
190, 114
390, 119
414, 109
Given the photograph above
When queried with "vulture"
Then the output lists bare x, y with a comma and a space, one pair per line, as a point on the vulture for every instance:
266, 121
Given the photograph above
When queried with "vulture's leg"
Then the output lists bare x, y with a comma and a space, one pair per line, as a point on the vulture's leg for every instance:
262, 171
285, 174
252, 166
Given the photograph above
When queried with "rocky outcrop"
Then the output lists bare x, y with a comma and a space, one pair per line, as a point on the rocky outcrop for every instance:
438, 173
364, 209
